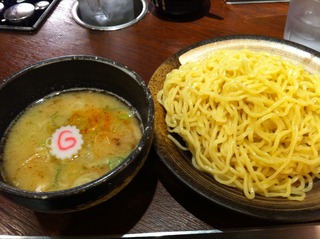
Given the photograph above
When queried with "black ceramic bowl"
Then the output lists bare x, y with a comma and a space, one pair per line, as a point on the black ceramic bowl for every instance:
59, 74
178, 7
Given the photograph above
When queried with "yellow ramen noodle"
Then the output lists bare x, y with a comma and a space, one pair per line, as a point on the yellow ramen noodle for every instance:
250, 119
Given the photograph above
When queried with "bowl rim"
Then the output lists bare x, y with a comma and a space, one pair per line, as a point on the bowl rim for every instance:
147, 128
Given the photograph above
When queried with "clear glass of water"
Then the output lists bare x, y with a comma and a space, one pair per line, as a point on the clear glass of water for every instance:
91, 12
118, 11
303, 23
106, 12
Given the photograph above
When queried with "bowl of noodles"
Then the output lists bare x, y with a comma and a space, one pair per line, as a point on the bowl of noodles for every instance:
237, 119
75, 130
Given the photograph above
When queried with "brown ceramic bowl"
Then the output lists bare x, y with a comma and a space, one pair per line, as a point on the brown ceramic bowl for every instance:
63, 73
179, 162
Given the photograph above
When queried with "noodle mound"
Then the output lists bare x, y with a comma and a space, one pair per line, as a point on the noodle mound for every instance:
250, 119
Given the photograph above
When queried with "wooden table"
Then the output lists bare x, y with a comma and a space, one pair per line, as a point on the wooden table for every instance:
155, 200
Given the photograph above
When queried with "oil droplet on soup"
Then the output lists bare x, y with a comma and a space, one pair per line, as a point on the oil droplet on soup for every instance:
110, 130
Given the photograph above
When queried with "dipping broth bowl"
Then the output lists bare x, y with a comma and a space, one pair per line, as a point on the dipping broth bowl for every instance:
68, 72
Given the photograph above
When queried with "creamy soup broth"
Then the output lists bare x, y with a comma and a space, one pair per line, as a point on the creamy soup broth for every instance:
109, 128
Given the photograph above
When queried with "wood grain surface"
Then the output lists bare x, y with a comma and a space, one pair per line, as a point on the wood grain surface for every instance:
155, 200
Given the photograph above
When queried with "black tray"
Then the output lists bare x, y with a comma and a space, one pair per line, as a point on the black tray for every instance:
31, 23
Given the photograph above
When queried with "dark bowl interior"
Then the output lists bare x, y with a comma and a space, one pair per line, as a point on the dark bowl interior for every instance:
58, 74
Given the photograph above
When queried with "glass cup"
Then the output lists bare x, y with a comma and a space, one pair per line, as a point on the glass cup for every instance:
303, 23
106, 12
